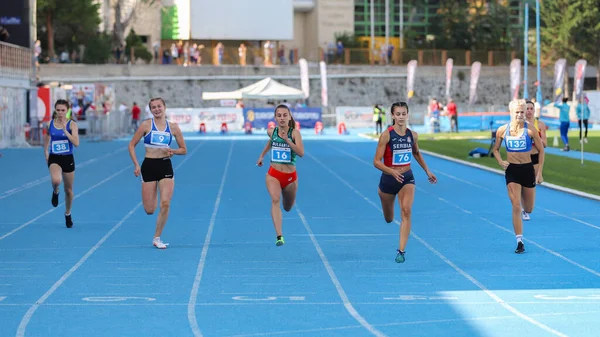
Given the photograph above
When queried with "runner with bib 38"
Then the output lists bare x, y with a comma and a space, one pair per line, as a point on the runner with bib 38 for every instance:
396, 148
59, 144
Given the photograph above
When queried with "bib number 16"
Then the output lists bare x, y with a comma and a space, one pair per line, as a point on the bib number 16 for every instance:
281, 155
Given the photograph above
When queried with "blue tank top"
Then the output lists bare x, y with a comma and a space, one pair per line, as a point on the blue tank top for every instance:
281, 152
59, 143
398, 151
158, 139
520, 143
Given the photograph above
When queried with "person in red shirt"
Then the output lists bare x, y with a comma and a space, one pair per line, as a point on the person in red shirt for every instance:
451, 107
135, 116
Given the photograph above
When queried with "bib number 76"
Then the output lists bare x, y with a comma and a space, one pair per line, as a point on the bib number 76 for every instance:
401, 157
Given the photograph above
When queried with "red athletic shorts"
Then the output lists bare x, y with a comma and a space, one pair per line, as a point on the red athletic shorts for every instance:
283, 177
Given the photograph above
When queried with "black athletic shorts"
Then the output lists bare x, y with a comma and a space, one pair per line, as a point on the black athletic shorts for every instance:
156, 169
65, 161
388, 184
522, 174
535, 159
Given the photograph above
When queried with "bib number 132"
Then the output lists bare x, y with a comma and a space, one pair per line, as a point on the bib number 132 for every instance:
517, 144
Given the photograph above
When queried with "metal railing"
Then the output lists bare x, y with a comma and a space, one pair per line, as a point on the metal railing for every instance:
100, 126
254, 56
15, 62
94, 126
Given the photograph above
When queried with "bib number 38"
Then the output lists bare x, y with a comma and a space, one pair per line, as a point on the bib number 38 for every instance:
60, 146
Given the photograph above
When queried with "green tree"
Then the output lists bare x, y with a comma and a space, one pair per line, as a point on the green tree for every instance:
133, 41
587, 35
67, 22
489, 25
98, 49
570, 30
472, 24
453, 30
124, 14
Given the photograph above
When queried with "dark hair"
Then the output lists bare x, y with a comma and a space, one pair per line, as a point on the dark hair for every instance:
292, 123
565, 99
157, 99
397, 105
61, 102
529, 102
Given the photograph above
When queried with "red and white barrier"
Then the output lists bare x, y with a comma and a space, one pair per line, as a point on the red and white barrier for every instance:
318, 128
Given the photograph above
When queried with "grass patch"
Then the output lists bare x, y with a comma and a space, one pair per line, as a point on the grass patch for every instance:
592, 146
558, 170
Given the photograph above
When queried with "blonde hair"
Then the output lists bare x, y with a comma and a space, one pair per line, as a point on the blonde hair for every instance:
512, 107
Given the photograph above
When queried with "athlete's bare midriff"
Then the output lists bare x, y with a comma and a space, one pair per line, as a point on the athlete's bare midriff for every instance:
154, 153
283, 167
518, 158
400, 169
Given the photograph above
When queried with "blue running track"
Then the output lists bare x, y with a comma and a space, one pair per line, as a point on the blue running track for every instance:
223, 276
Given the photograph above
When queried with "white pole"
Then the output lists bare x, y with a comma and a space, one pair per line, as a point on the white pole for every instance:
372, 26
581, 126
401, 24
387, 22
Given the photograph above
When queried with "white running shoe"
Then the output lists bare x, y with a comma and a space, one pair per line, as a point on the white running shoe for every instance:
525, 216
585, 140
159, 244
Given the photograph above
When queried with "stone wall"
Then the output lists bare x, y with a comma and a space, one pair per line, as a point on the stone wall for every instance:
347, 85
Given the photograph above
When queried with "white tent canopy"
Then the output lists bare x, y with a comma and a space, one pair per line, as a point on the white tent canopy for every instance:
267, 88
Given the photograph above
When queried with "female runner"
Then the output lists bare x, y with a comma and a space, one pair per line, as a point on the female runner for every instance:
157, 170
519, 138
397, 146
62, 137
286, 144
535, 156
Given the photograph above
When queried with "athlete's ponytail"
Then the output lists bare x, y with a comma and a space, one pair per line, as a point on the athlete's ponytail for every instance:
292, 123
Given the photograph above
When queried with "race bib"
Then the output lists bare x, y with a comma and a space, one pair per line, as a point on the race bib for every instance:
60, 146
516, 144
401, 157
159, 138
281, 154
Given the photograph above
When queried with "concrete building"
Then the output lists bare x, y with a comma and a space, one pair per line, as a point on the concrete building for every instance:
146, 21
314, 22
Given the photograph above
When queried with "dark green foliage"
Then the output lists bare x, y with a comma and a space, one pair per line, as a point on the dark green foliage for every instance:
472, 25
97, 49
70, 22
139, 49
571, 30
